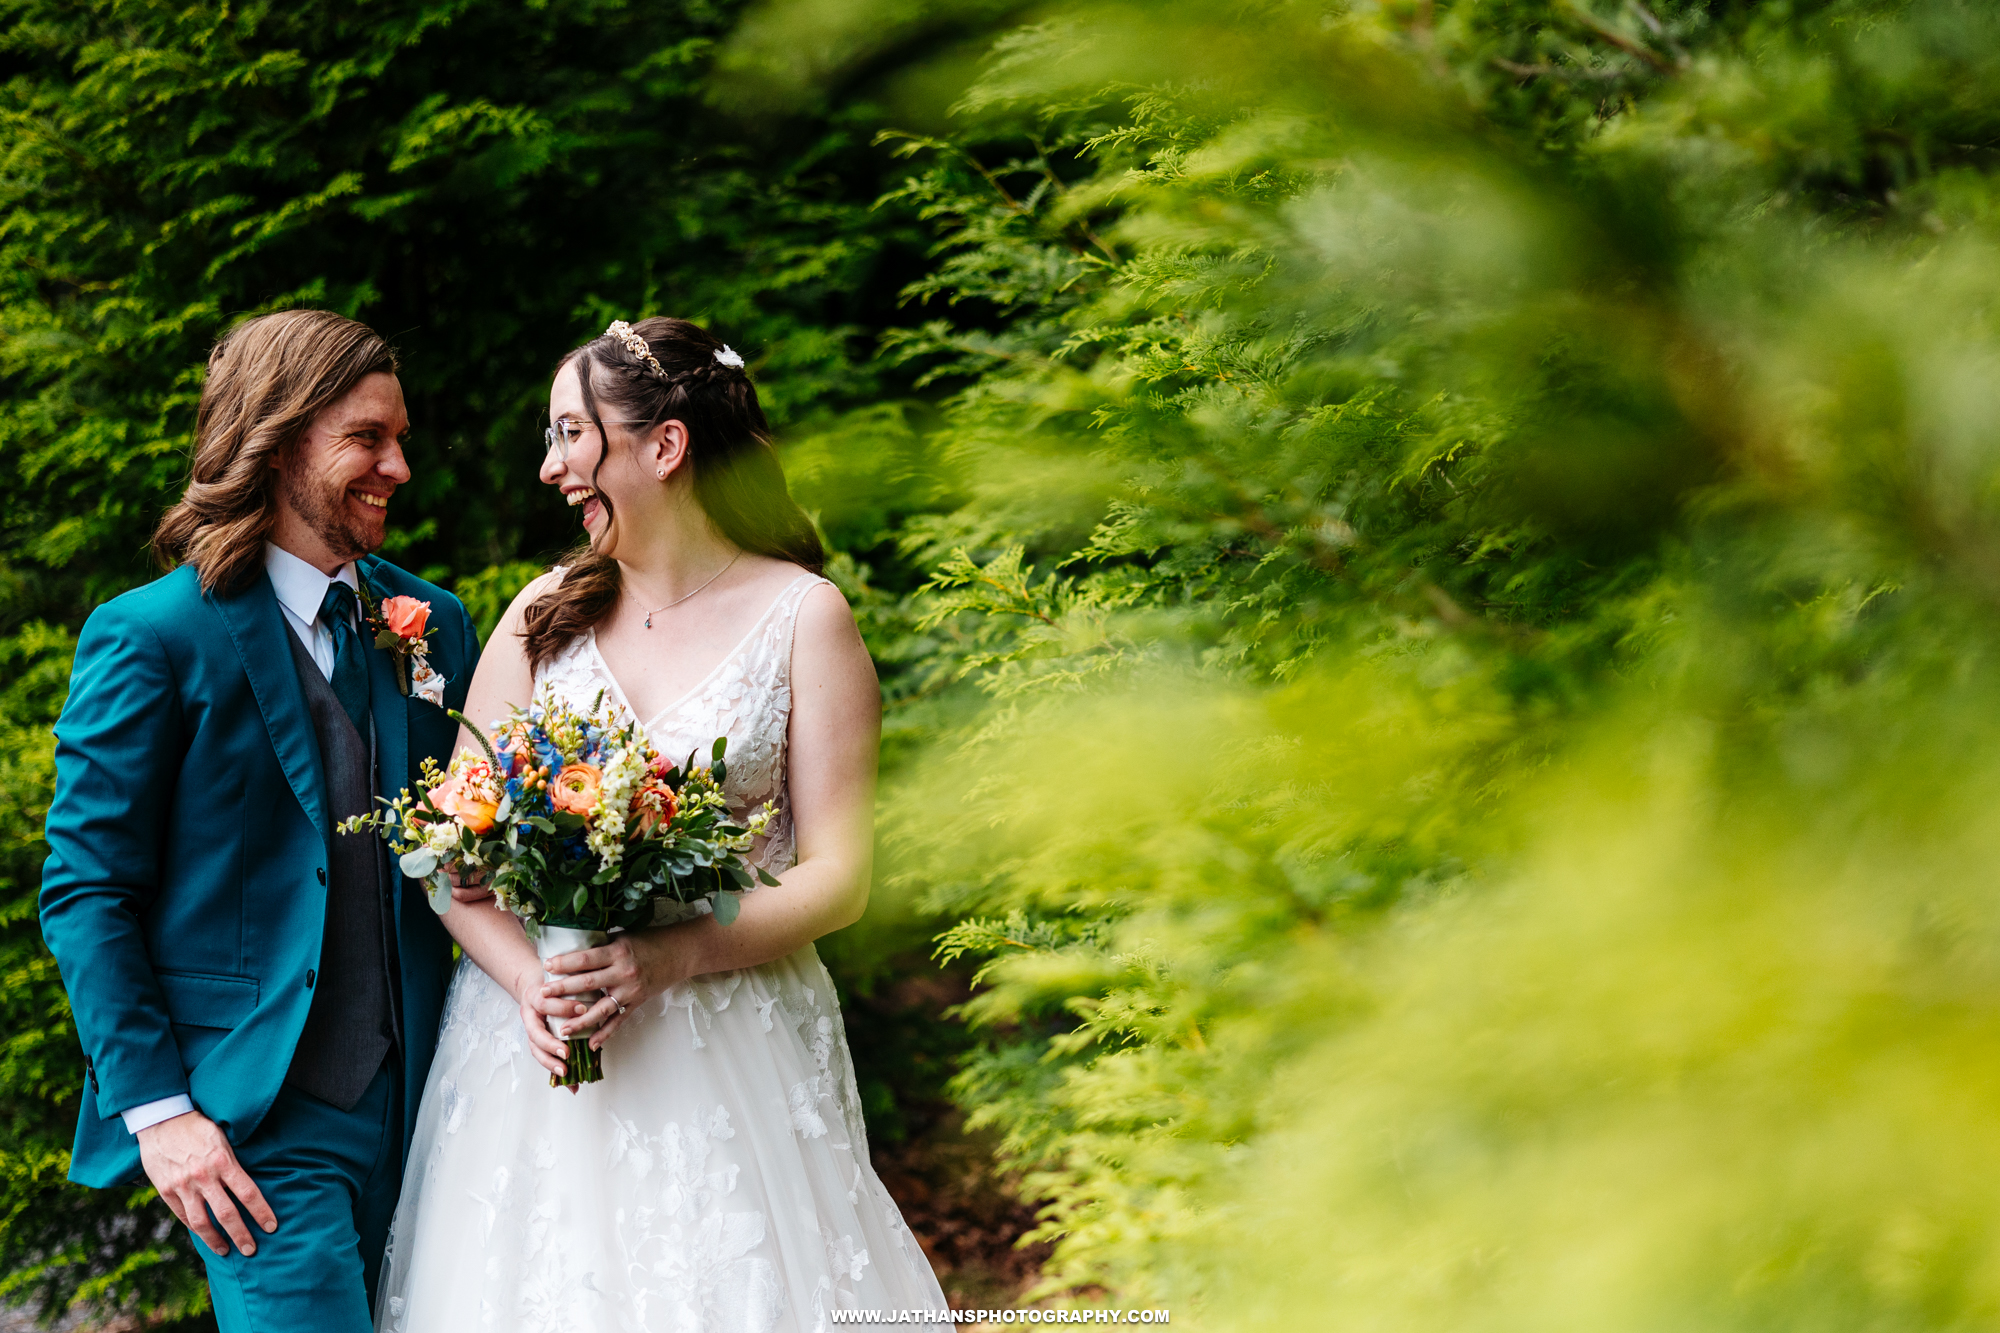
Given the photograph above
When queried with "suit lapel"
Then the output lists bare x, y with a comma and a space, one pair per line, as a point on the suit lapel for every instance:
386, 701
257, 627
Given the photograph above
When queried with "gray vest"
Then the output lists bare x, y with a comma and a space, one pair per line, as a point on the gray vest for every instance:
353, 1022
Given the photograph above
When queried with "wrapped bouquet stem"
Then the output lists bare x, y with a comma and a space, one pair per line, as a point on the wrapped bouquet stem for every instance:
581, 826
581, 1064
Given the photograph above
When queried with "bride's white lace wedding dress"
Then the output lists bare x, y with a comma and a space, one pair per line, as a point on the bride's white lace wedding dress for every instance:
717, 1180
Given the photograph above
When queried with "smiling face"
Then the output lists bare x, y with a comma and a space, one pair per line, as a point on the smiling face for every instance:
590, 474
334, 485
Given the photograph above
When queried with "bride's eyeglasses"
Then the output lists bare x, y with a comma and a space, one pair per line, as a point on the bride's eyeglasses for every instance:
563, 432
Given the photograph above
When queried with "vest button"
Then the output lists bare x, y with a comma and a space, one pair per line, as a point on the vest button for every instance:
322, 874
309, 978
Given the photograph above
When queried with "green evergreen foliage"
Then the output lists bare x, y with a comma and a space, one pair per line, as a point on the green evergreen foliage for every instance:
1462, 652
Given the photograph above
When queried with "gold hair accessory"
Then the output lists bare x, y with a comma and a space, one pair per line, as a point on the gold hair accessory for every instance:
634, 344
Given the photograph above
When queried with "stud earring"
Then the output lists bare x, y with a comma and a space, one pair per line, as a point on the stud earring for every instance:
663, 474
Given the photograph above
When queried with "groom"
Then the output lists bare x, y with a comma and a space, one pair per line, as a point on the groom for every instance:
258, 995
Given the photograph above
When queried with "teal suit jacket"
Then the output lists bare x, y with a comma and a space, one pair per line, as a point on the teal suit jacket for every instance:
184, 896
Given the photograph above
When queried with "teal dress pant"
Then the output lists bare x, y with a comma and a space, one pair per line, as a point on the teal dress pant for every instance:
332, 1177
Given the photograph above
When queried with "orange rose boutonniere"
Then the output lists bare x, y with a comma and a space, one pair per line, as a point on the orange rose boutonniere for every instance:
401, 626
405, 617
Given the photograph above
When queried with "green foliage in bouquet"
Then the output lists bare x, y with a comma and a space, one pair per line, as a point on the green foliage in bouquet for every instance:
574, 820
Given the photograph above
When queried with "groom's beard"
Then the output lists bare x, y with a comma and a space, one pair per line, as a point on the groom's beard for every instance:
323, 506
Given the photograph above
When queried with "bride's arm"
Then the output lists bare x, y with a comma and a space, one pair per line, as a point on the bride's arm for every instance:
836, 726
489, 935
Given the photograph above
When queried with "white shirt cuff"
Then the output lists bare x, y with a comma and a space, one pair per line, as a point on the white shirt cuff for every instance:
152, 1113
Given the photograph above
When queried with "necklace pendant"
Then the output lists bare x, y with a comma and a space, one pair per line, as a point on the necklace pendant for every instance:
649, 620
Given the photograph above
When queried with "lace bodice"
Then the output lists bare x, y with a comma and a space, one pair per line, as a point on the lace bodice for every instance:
747, 697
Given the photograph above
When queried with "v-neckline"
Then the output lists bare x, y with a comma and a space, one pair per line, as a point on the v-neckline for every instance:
618, 690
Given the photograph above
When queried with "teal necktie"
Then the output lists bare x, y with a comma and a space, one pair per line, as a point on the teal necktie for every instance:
350, 668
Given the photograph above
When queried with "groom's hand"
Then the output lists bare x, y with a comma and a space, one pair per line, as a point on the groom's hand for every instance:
470, 887
193, 1167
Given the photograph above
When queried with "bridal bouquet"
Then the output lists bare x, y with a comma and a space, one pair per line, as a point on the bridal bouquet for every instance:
581, 825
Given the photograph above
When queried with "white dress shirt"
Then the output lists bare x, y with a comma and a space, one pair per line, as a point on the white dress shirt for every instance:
301, 588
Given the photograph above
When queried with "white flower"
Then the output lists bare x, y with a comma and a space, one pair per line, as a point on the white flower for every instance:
729, 358
623, 772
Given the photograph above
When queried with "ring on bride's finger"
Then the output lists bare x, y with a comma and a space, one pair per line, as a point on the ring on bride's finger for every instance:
621, 1005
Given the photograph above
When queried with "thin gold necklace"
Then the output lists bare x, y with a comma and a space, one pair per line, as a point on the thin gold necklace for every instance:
678, 600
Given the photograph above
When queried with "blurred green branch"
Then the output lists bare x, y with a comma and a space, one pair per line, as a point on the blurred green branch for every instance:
1448, 600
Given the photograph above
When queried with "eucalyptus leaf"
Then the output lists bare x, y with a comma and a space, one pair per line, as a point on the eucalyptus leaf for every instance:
439, 895
726, 905
418, 863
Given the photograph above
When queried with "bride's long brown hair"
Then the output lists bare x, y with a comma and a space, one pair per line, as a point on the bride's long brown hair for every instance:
738, 481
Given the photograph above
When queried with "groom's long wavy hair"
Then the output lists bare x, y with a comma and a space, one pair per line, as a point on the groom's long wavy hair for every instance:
267, 379
738, 481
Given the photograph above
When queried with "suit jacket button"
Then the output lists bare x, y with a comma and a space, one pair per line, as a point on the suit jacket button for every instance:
309, 978
322, 874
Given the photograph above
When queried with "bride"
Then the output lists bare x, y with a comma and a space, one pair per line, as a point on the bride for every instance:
717, 1179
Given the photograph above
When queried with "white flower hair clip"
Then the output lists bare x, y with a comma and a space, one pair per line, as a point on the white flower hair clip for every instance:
636, 345
729, 358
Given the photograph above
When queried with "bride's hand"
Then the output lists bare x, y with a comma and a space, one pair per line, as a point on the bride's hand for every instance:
547, 1048
632, 969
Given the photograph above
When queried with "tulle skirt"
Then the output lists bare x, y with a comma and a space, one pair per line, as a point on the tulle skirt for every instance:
716, 1181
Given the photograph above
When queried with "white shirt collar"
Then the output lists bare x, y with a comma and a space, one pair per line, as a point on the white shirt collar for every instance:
301, 587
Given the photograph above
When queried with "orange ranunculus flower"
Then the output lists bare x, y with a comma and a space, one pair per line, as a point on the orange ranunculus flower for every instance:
405, 616
652, 805
576, 788
464, 799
